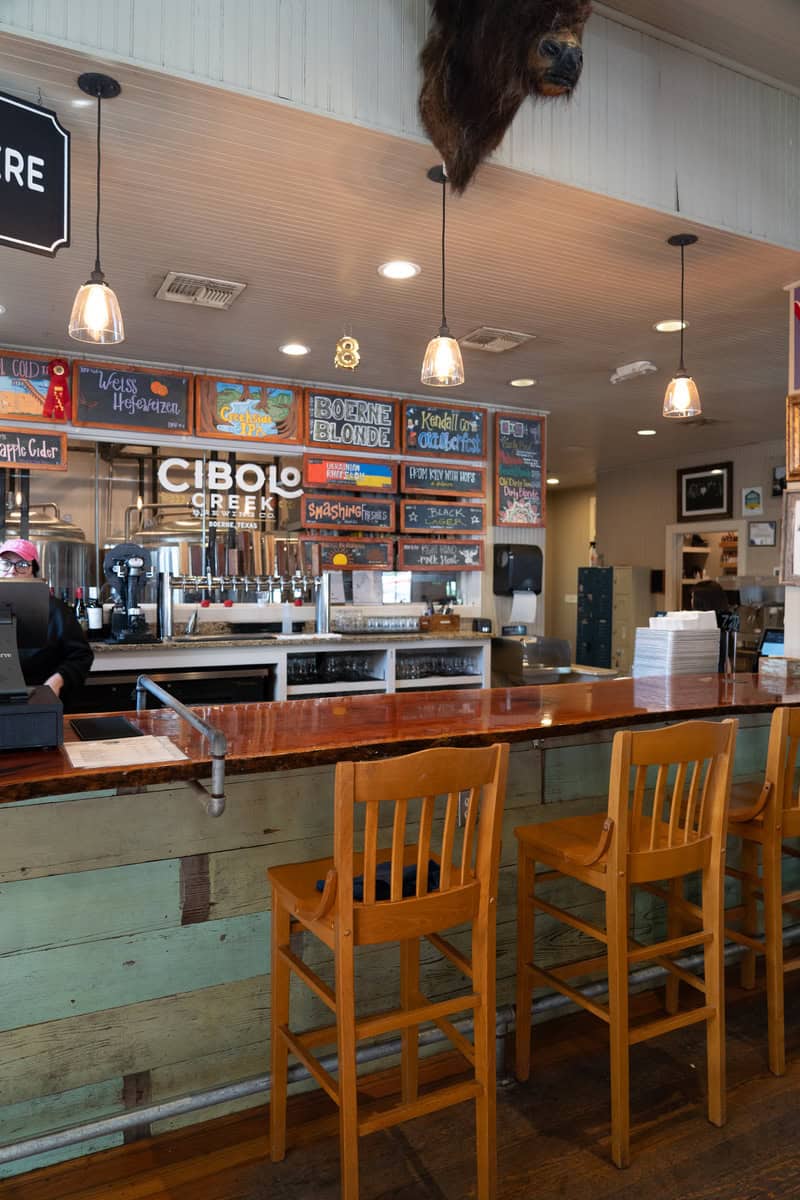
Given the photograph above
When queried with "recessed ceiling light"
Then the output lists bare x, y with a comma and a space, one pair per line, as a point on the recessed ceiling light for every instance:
296, 349
672, 326
553, 480
646, 432
399, 268
522, 382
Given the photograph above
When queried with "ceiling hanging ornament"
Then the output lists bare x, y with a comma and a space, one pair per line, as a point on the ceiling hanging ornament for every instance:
347, 353
442, 365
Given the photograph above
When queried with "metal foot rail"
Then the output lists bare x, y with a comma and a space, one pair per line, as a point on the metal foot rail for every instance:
214, 800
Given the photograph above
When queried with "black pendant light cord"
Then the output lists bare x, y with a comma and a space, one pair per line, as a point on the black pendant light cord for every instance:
683, 323
444, 331
97, 268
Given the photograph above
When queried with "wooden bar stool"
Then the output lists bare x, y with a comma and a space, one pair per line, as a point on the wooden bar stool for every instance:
667, 806
434, 884
765, 814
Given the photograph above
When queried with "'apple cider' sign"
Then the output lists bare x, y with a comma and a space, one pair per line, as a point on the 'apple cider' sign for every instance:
34, 177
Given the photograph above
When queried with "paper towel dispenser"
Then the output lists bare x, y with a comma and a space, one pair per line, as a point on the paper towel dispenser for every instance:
517, 569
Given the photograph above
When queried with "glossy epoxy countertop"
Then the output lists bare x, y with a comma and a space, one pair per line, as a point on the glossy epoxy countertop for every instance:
298, 733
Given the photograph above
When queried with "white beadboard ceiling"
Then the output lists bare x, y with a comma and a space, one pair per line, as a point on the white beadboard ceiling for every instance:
302, 209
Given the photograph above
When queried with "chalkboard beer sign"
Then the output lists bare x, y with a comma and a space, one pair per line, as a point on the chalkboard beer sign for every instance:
427, 516
427, 479
39, 451
348, 422
519, 469
344, 512
349, 474
113, 396
362, 554
443, 431
250, 410
23, 385
439, 556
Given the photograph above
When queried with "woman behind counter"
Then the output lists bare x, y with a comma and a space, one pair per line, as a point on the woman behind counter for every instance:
65, 659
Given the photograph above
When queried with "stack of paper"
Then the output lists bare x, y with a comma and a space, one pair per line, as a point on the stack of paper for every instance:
676, 651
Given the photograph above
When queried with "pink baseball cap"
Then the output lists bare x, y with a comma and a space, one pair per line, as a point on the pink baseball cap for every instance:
22, 547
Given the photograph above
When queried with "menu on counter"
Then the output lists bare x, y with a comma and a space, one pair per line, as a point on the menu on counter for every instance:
347, 422
428, 516
429, 479
346, 512
251, 409
439, 556
443, 430
367, 554
519, 469
114, 396
349, 474
122, 752
24, 381
40, 451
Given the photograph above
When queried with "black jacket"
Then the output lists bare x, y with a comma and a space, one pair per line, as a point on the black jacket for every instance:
66, 651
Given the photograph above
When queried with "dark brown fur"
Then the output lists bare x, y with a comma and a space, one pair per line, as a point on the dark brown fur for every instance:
482, 58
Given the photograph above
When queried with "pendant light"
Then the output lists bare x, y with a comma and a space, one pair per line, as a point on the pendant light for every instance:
442, 365
682, 398
96, 315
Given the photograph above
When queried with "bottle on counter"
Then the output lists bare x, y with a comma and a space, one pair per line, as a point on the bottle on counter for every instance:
594, 557
81, 616
94, 614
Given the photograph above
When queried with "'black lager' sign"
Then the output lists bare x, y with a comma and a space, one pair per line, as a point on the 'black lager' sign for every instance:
34, 177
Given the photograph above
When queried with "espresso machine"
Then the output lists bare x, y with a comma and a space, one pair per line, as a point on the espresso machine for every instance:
126, 567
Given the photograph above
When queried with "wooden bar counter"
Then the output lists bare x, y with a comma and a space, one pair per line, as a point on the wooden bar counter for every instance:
134, 927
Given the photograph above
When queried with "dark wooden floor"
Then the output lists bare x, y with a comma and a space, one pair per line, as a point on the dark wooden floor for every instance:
552, 1135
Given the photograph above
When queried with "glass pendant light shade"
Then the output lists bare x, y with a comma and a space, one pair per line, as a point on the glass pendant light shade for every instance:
96, 316
442, 365
682, 398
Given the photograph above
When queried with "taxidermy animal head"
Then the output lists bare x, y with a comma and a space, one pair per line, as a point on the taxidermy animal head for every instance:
482, 58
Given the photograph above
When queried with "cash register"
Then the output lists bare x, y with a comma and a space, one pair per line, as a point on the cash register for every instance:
31, 718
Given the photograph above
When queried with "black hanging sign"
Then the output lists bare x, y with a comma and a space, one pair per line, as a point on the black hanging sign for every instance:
519, 470
34, 177
342, 512
443, 431
347, 422
363, 554
439, 556
429, 479
40, 451
428, 516
114, 396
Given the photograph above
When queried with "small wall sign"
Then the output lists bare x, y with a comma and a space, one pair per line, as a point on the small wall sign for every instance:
347, 422
34, 177
752, 501
349, 474
39, 451
250, 410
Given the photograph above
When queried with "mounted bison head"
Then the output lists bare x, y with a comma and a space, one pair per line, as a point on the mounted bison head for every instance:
482, 58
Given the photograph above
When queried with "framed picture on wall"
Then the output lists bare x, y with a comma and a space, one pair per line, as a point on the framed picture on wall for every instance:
790, 542
762, 533
793, 436
705, 492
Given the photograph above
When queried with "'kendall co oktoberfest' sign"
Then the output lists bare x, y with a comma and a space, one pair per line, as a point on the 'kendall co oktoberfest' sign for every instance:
34, 177
228, 495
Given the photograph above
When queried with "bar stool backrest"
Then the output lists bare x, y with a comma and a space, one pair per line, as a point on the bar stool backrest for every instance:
781, 771
668, 798
412, 803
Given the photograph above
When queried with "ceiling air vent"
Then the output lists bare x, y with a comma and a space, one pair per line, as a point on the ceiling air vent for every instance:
495, 341
199, 289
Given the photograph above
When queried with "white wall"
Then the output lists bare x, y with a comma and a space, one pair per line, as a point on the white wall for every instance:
649, 116
570, 525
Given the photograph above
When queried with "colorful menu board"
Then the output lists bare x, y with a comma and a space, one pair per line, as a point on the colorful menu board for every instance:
428, 479
444, 431
40, 451
362, 554
23, 385
113, 396
248, 409
346, 422
519, 469
439, 556
345, 512
427, 516
349, 474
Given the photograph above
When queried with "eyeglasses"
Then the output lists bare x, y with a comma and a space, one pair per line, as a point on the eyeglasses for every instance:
16, 566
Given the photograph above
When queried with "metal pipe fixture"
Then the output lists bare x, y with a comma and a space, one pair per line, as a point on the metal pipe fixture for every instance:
322, 603
218, 743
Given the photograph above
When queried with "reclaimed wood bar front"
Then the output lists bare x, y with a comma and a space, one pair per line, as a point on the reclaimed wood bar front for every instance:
134, 928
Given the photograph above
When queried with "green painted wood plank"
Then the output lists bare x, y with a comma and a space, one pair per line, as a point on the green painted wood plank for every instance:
572, 772
67, 798
92, 905
65, 1154
45, 985
42, 1114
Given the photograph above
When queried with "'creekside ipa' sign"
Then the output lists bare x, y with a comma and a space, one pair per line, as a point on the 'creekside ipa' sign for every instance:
519, 470
253, 411
442, 431
34, 177
118, 397
39, 451
341, 512
350, 422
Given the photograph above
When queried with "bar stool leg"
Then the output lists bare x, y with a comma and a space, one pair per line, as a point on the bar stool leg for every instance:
773, 937
409, 990
714, 961
525, 933
674, 929
749, 867
281, 930
483, 958
346, 1047
617, 931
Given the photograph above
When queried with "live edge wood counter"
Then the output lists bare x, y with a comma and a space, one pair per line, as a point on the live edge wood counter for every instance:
134, 928
303, 733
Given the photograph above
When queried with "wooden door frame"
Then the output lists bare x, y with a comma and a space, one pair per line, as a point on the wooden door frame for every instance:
673, 575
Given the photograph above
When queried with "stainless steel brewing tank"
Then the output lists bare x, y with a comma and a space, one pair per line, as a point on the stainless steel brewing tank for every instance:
65, 557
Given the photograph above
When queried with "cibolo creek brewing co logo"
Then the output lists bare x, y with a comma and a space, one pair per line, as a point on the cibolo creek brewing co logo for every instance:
229, 495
